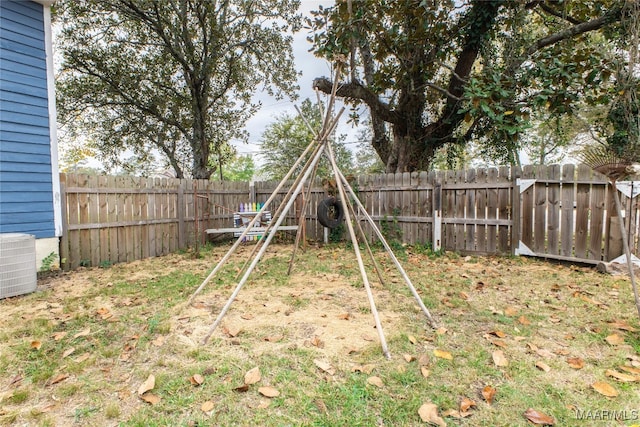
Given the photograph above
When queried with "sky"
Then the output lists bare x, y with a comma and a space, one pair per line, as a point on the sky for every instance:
311, 67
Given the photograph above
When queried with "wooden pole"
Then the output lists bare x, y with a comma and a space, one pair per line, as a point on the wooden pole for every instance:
312, 145
625, 243
268, 239
366, 243
302, 219
321, 140
356, 249
391, 254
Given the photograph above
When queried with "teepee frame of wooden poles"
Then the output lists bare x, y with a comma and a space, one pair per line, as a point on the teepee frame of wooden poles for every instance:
321, 145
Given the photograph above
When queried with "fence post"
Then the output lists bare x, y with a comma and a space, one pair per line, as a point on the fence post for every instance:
64, 239
437, 217
515, 209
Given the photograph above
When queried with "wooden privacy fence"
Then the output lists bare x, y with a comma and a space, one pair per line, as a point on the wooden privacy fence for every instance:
110, 219
548, 211
568, 213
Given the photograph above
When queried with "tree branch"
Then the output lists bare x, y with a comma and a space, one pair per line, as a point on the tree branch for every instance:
582, 28
443, 90
355, 90
552, 11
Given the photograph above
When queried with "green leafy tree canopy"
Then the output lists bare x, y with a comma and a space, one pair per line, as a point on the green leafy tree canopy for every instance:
439, 74
173, 77
240, 169
284, 141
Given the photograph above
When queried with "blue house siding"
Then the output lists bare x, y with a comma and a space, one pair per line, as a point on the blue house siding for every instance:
26, 196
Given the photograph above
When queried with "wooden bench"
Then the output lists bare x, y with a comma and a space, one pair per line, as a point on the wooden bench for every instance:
242, 218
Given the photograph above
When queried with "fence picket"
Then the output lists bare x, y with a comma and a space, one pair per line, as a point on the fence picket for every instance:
74, 258
582, 208
492, 210
596, 222
504, 210
567, 209
553, 215
93, 201
470, 212
481, 210
540, 210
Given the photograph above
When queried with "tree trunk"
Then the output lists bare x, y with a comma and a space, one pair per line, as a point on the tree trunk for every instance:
408, 154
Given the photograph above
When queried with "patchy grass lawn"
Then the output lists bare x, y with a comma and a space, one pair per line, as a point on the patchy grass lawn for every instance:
514, 334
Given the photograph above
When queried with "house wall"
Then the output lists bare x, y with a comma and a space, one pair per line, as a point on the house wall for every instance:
29, 190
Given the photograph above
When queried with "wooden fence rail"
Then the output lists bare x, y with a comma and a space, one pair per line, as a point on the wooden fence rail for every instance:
554, 212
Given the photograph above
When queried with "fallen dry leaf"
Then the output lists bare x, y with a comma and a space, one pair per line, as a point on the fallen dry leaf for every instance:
247, 316
622, 377
147, 385
543, 352
326, 367
630, 369
543, 366
413, 340
441, 330
615, 339
82, 357
59, 335
104, 313
252, 376
575, 362
442, 354
498, 334
35, 345
267, 391
317, 342
366, 369
538, 418
523, 320
466, 404
159, 341
375, 381
489, 393
499, 359
68, 352
196, 379
150, 398
429, 414
58, 378
83, 333
604, 389
344, 316
233, 331
622, 325
453, 413
409, 358
274, 338
242, 389
424, 371
207, 406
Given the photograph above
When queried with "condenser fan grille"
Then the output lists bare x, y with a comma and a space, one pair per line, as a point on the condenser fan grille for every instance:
18, 273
